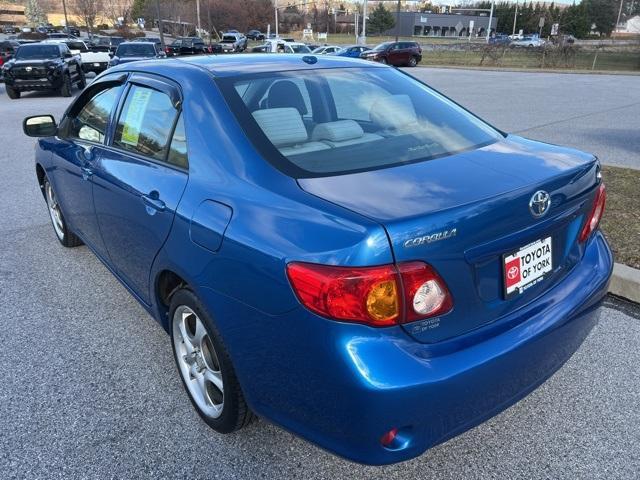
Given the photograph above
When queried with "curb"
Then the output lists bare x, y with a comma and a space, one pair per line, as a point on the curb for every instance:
532, 70
625, 282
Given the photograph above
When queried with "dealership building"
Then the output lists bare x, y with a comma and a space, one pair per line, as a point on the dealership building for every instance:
440, 25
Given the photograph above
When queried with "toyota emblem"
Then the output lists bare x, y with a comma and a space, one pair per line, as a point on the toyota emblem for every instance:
512, 273
539, 203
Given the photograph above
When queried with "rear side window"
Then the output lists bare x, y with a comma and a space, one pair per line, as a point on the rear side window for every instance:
146, 122
178, 149
90, 124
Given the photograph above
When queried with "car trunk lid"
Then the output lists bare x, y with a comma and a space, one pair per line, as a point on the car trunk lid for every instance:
463, 213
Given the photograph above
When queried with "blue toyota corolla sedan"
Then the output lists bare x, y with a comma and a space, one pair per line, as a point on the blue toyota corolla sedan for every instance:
332, 245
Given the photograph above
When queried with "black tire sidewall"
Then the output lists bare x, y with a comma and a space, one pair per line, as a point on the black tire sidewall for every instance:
229, 420
65, 90
69, 239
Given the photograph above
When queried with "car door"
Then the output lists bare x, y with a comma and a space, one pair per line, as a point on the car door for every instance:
81, 140
138, 181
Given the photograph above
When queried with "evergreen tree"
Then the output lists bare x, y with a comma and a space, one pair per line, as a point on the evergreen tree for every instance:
380, 20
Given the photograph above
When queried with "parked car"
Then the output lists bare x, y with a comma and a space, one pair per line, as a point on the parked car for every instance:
71, 30
233, 42
105, 43
325, 49
395, 53
255, 35
7, 50
135, 51
9, 30
96, 62
358, 259
42, 66
187, 46
352, 51
25, 29
499, 39
60, 36
527, 41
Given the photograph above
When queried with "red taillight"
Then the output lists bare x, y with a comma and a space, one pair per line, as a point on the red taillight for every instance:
377, 296
593, 219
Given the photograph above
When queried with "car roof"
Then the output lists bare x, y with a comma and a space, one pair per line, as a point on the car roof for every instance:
231, 65
138, 43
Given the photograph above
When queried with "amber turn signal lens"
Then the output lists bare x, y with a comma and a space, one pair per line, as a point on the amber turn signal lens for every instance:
382, 301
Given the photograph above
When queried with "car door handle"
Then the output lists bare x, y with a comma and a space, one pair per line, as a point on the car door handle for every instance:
87, 173
153, 201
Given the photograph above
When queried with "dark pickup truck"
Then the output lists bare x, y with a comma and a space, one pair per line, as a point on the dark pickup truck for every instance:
41, 66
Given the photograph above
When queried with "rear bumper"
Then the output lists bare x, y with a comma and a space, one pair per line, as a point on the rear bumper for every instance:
92, 67
343, 386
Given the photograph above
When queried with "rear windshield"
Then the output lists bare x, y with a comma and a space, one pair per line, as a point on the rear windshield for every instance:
135, 50
77, 46
335, 121
34, 52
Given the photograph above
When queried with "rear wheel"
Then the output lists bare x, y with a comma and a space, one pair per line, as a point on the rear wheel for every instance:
205, 366
12, 93
413, 61
65, 89
65, 236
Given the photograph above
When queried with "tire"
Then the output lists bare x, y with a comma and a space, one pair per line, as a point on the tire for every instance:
413, 61
82, 81
65, 89
65, 236
204, 365
12, 93
384, 61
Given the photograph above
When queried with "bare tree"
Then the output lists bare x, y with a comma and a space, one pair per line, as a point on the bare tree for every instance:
88, 10
119, 9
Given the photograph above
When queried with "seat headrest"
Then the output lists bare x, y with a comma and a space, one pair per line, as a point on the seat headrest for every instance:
337, 131
393, 112
282, 126
285, 93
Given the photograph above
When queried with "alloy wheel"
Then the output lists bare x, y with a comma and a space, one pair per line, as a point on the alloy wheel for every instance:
198, 361
54, 211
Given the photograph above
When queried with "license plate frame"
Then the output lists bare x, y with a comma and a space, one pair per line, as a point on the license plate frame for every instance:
527, 266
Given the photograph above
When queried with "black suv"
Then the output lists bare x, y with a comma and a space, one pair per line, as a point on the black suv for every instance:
106, 44
395, 53
187, 46
43, 66
255, 35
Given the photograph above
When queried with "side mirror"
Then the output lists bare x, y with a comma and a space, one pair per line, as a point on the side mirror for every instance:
68, 54
40, 126
111, 54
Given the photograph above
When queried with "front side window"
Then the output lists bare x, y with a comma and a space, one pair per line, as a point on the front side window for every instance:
370, 118
90, 124
146, 122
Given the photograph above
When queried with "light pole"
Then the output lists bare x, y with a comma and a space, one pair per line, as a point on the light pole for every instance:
397, 20
160, 29
490, 19
619, 14
515, 18
276, 5
363, 38
198, 15
64, 9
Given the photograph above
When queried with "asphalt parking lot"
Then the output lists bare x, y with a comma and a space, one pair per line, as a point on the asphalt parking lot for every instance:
88, 387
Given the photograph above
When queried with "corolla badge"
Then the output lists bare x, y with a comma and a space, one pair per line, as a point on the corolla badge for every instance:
539, 203
432, 237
